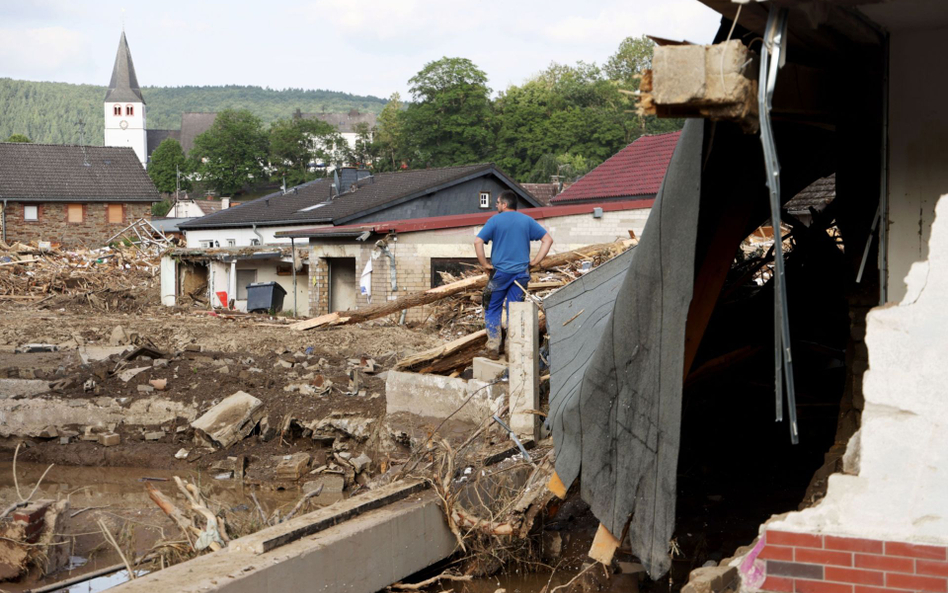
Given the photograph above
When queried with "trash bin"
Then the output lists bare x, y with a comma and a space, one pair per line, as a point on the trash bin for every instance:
265, 296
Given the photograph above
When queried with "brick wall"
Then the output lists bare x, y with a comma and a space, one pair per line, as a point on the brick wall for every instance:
812, 563
52, 225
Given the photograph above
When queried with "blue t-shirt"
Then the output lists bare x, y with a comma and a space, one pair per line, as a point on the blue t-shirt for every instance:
511, 233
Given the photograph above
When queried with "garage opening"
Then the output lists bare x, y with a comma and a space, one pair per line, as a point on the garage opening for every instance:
342, 283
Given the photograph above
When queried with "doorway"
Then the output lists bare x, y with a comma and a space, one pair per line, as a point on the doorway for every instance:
342, 283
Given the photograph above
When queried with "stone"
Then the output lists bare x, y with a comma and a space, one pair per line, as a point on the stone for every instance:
487, 370
159, 384
182, 454
231, 420
291, 467
109, 439
361, 463
145, 388
118, 336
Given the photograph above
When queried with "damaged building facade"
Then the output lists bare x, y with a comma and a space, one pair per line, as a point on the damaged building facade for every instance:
843, 330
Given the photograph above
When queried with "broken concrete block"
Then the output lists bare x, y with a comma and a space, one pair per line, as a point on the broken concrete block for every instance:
267, 430
160, 363
182, 454
332, 484
50, 432
283, 364
231, 420
193, 348
361, 462
154, 436
128, 374
118, 336
292, 467
145, 388
14, 388
438, 396
224, 370
358, 428
486, 369
109, 439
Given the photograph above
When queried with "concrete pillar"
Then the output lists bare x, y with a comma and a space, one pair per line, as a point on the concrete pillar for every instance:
232, 283
523, 344
169, 281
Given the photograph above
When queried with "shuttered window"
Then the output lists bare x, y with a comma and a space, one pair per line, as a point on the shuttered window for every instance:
115, 214
74, 213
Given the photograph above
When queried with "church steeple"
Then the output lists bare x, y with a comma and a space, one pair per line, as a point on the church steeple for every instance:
124, 84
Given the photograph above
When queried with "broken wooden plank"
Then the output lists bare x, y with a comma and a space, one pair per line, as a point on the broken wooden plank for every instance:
435, 294
441, 351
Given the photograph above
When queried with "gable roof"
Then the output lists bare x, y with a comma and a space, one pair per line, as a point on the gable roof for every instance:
194, 123
123, 87
636, 170
52, 172
543, 192
314, 202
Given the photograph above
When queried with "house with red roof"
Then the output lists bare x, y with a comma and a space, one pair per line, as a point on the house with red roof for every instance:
634, 173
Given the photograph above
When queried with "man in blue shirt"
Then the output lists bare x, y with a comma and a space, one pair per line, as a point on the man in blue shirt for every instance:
511, 233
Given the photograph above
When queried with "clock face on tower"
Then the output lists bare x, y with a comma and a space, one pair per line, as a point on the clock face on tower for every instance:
123, 124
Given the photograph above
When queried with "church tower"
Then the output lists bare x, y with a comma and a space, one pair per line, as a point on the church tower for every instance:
125, 106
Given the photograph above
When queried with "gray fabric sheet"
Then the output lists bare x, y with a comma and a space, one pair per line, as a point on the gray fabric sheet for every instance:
621, 427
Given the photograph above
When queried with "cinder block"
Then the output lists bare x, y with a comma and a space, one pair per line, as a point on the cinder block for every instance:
109, 439
487, 370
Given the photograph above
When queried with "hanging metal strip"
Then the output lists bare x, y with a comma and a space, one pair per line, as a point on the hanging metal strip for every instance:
771, 57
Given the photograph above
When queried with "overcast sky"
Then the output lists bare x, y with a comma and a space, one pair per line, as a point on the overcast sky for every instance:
365, 47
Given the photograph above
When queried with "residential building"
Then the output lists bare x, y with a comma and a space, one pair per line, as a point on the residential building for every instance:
71, 195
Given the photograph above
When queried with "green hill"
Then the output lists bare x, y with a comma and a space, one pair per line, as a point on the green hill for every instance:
50, 112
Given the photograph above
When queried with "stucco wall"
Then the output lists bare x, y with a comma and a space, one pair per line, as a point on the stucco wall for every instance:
243, 236
918, 147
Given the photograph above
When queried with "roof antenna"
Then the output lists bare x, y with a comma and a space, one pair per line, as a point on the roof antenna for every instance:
82, 143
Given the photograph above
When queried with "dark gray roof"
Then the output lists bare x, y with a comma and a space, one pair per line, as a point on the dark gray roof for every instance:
47, 172
168, 225
344, 122
369, 195
156, 137
123, 88
193, 124
817, 195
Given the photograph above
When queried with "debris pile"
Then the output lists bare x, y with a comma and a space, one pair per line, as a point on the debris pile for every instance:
106, 279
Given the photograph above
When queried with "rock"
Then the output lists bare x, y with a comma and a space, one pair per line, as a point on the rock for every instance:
231, 420
109, 439
118, 336
50, 432
292, 467
128, 374
159, 384
182, 454
361, 462
145, 388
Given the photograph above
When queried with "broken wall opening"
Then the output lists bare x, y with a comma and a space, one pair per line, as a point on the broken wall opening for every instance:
192, 280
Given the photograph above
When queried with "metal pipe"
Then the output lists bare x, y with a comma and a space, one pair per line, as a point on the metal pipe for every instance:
771, 58
293, 247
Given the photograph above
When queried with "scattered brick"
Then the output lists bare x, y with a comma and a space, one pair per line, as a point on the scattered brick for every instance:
857, 577
823, 557
886, 563
804, 586
916, 583
915, 551
852, 544
786, 538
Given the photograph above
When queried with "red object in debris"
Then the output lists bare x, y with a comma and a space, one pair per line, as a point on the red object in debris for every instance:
222, 297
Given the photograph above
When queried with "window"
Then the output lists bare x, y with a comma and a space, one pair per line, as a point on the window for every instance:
30, 212
74, 213
244, 277
485, 199
231, 242
129, 110
116, 214
117, 110
206, 244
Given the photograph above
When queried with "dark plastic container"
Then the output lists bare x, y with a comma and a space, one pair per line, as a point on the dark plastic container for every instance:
265, 296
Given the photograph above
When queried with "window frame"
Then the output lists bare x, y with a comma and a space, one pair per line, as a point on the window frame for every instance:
129, 110
116, 111
36, 213
482, 202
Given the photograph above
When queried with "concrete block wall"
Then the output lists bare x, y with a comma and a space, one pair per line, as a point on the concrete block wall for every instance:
92, 232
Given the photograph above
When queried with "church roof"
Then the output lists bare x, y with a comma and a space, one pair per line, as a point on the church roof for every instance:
123, 88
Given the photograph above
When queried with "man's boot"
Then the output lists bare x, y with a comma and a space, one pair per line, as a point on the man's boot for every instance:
493, 347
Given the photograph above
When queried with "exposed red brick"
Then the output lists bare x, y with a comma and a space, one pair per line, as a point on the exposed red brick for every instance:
930, 567
886, 563
824, 557
916, 583
778, 584
787, 538
31, 513
850, 575
776, 553
916, 551
852, 544
804, 586
865, 589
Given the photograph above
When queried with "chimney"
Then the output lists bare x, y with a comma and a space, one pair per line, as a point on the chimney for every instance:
225, 203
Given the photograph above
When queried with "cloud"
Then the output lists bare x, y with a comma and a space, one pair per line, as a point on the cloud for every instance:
43, 52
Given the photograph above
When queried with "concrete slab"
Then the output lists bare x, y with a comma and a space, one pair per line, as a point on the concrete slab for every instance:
437, 396
523, 346
14, 388
29, 417
231, 420
487, 370
89, 354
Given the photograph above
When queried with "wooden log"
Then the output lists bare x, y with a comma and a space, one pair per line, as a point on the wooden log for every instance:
435, 294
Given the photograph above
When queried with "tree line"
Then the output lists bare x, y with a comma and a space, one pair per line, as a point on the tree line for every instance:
560, 123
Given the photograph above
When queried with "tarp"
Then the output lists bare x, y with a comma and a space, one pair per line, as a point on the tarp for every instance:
621, 427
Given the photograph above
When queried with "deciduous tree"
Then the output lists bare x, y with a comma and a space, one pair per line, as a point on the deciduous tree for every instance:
233, 152
299, 145
166, 162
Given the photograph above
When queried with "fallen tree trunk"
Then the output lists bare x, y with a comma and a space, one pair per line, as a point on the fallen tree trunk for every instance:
435, 294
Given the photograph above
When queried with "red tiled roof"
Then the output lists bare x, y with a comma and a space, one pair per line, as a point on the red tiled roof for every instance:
636, 170
543, 192
462, 220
